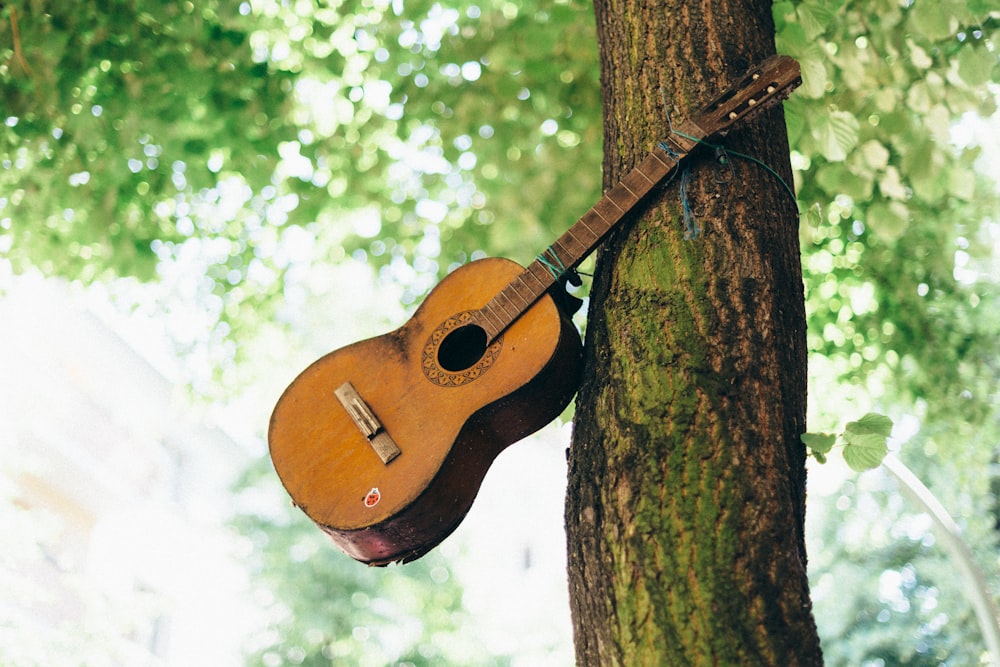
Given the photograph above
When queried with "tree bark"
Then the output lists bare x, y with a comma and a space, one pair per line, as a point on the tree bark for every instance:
685, 509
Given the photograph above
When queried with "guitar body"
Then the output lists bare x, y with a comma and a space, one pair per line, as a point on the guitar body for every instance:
449, 402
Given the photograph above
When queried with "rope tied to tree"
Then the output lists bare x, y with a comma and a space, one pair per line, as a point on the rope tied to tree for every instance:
692, 229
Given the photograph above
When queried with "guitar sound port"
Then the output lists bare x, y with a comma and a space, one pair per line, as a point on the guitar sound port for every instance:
462, 348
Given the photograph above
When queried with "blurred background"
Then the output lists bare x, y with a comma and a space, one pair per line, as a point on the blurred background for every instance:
199, 199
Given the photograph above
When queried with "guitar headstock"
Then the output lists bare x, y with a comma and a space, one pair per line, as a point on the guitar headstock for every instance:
762, 87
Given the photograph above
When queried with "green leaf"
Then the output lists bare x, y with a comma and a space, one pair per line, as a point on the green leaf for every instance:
783, 12
819, 443
962, 183
792, 38
975, 66
836, 134
865, 441
864, 451
814, 76
888, 220
871, 424
850, 180
816, 16
875, 154
810, 22
933, 20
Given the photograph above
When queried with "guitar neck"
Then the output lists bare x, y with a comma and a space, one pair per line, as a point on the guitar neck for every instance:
760, 88
586, 234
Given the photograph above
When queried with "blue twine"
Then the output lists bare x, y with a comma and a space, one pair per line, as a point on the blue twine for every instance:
671, 153
554, 266
692, 230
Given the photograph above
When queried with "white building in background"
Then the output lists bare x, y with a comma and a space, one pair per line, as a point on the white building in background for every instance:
113, 500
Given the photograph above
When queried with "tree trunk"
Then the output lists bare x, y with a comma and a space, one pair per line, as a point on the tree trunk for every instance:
685, 510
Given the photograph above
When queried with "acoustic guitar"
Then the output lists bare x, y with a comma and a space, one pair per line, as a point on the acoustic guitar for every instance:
384, 443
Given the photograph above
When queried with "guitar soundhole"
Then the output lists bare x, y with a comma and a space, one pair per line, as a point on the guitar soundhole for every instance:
462, 348
456, 354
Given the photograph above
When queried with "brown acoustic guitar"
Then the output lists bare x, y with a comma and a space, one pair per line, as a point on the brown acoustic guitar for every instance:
384, 443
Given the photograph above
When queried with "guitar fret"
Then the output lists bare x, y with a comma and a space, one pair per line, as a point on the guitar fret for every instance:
609, 200
599, 219
621, 197
528, 293
558, 243
484, 319
583, 225
603, 207
639, 171
668, 166
638, 182
571, 235
542, 284
520, 281
662, 166
495, 306
487, 311
599, 215
687, 136
511, 310
480, 319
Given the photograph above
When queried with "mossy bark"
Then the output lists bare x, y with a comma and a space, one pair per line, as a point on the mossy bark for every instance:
685, 508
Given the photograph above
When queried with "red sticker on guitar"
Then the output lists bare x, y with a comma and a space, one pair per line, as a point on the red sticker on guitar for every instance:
371, 500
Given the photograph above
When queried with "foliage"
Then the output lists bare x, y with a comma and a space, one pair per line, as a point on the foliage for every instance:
155, 131
864, 442
270, 138
891, 205
898, 234
118, 119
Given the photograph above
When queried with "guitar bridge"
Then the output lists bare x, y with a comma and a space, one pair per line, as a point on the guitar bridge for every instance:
367, 422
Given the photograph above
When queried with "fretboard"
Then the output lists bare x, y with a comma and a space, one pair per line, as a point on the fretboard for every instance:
760, 88
586, 234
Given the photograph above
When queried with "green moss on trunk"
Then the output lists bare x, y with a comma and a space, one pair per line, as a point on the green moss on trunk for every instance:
686, 502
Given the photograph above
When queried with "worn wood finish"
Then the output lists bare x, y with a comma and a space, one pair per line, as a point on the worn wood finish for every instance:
448, 433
